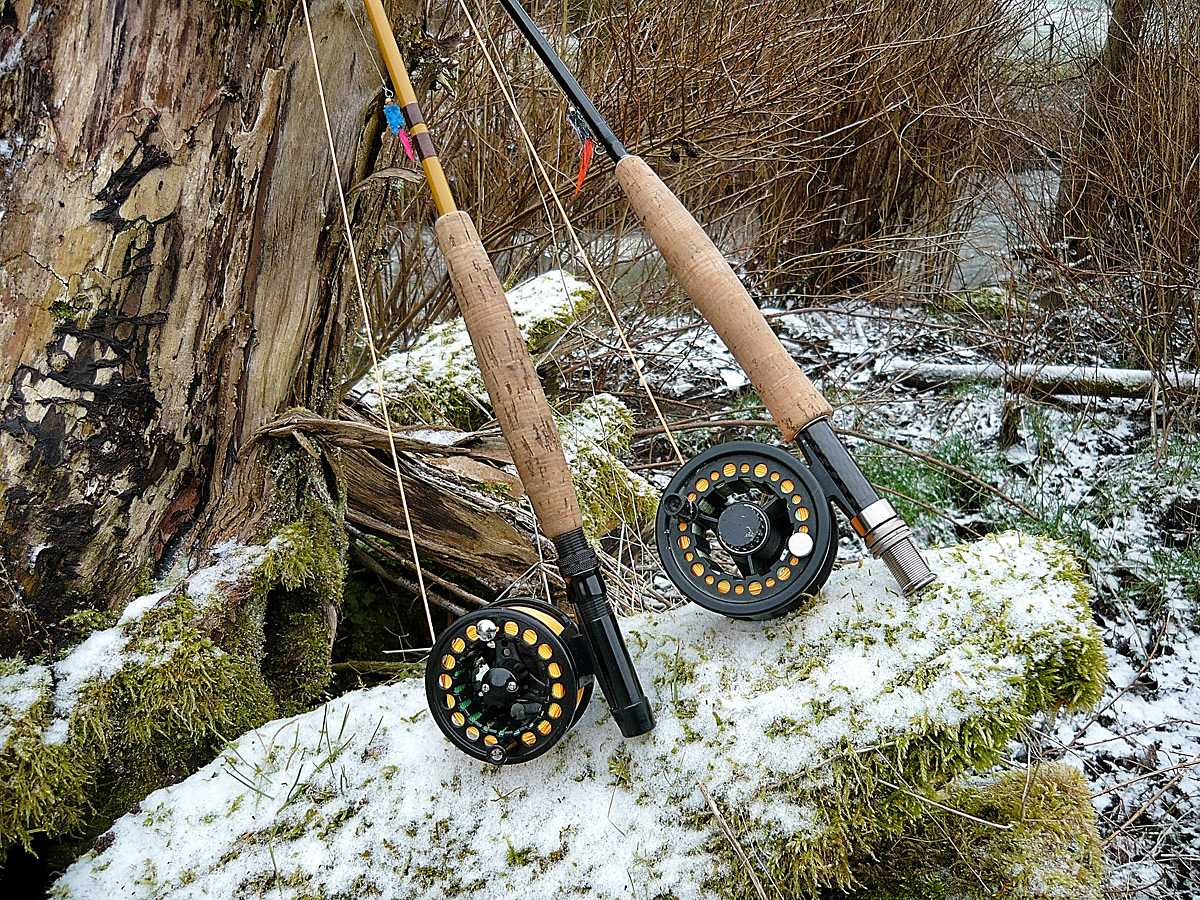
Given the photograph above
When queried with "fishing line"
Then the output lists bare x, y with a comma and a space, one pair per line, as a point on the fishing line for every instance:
600, 292
391, 112
362, 298
387, 91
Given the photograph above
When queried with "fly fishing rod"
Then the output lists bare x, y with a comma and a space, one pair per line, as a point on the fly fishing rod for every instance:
506, 682
744, 529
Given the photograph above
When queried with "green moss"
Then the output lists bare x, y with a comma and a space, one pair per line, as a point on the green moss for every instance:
539, 332
43, 786
437, 403
1066, 670
305, 555
302, 578
989, 302
861, 796
185, 697
594, 436
619, 767
66, 314
1025, 835
84, 622
523, 856
165, 712
845, 820
920, 489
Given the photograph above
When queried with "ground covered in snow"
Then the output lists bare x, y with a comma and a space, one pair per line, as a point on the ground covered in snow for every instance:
1100, 474
785, 751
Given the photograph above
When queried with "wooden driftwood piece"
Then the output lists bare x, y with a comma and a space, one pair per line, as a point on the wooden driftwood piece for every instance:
479, 542
480, 539
1092, 381
354, 430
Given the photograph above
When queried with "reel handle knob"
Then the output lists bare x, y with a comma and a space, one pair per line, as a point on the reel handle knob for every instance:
679, 506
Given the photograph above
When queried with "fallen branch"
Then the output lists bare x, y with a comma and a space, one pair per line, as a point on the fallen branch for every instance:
355, 432
469, 535
372, 565
431, 578
375, 667
1090, 381
948, 467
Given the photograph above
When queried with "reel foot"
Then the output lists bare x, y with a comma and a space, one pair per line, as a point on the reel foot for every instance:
745, 530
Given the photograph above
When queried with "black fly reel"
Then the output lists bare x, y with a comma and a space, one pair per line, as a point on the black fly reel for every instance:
745, 530
505, 683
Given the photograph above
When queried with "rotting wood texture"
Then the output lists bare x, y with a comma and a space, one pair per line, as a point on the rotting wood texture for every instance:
172, 277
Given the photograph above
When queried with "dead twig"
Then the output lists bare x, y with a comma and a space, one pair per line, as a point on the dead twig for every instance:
733, 841
945, 466
377, 568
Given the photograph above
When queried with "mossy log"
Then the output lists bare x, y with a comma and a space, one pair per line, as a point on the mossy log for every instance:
816, 744
148, 697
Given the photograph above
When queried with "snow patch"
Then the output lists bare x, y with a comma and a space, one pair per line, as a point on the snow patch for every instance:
104, 653
443, 359
233, 561
19, 691
364, 796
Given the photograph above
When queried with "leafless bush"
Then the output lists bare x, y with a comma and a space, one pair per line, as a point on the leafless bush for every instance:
1124, 238
823, 142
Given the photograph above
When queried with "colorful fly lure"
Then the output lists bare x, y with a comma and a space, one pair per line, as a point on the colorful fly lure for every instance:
395, 120
585, 138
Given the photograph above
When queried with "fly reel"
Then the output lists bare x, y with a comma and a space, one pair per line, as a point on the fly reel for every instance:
745, 530
505, 683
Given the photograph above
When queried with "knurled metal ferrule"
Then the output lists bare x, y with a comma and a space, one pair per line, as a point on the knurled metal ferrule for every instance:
889, 539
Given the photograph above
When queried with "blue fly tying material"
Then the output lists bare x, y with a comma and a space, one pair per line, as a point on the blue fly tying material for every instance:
395, 118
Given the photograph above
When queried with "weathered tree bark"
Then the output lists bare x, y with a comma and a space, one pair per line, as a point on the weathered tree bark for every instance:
171, 278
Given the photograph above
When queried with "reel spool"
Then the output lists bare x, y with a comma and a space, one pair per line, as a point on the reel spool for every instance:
505, 683
745, 530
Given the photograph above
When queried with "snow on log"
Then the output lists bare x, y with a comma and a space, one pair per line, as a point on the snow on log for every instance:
1092, 381
803, 748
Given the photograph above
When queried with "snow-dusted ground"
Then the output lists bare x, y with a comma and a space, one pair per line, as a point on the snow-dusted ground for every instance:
1093, 470
364, 797
443, 359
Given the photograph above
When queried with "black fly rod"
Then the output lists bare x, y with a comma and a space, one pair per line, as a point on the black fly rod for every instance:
506, 682
772, 520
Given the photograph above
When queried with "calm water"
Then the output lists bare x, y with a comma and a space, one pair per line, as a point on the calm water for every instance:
1061, 29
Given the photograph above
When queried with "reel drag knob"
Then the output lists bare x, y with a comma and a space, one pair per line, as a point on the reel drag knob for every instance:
745, 530
742, 528
505, 683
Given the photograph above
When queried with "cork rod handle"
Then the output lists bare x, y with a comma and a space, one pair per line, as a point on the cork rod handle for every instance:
718, 293
510, 377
